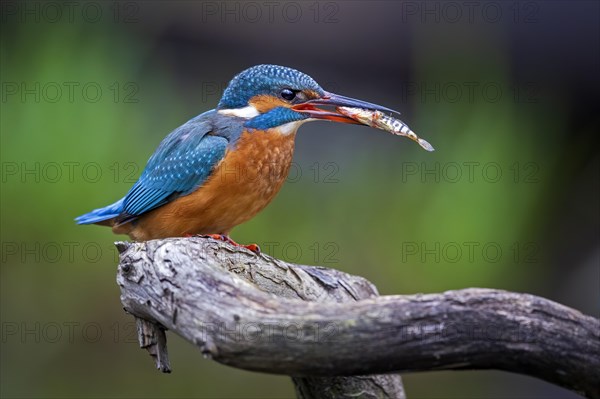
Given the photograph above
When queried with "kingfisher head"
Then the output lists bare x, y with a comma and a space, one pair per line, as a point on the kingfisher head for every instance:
270, 96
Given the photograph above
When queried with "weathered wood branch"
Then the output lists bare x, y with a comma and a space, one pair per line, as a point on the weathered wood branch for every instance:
307, 283
207, 292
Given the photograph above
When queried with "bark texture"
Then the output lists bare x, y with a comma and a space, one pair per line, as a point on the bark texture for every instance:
332, 333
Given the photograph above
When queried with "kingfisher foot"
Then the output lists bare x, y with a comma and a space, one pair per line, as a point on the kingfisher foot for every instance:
222, 237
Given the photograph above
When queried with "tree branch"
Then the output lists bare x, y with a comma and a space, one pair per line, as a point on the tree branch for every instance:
206, 291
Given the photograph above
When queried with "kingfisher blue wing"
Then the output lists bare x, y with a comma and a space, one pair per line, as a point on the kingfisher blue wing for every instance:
181, 163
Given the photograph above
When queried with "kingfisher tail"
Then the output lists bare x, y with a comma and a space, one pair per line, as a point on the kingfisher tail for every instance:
101, 214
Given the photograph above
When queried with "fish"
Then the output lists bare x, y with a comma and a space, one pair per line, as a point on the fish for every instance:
382, 121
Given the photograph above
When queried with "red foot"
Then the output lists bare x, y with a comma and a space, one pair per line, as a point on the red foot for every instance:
252, 247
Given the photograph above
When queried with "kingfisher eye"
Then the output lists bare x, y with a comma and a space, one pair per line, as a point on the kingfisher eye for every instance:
288, 94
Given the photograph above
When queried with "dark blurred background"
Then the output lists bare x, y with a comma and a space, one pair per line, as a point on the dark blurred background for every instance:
507, 92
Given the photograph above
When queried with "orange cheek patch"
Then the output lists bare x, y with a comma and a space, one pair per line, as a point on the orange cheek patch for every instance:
264, 103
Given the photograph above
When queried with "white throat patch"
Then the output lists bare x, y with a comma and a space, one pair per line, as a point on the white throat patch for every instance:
250, 112
290, 127
247, 112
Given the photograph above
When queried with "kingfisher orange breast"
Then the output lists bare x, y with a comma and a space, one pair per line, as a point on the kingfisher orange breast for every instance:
241, 185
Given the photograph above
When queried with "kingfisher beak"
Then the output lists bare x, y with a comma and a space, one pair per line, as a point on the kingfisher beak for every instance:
336, 100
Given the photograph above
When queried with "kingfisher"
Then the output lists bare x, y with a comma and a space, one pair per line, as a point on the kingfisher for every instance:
224, 166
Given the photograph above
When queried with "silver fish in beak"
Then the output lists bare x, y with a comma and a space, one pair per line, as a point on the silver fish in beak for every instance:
379, 120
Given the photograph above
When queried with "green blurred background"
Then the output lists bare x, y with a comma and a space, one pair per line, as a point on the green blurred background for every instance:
505, 91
